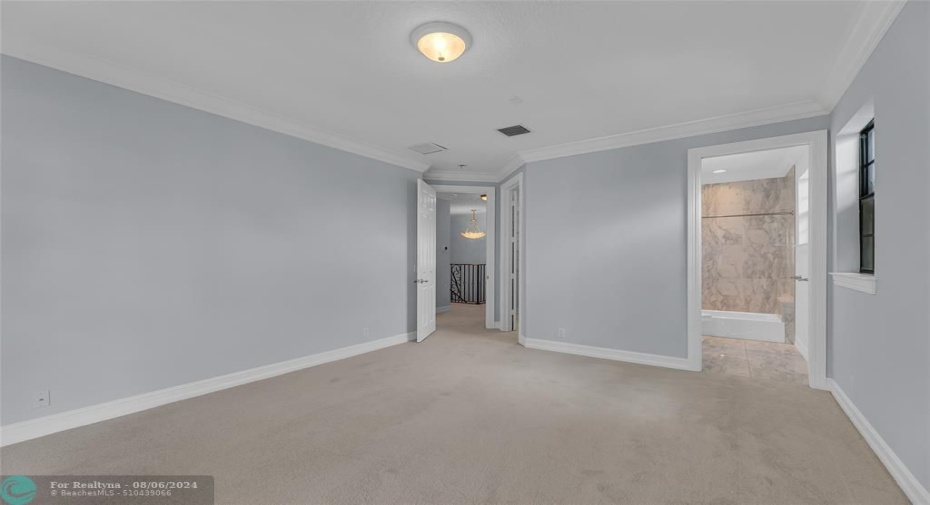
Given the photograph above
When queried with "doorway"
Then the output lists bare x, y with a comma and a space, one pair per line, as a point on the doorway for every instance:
461, 258
757, 258
473, 278
753, 228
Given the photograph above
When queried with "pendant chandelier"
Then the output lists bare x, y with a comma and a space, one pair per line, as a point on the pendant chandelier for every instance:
473, 232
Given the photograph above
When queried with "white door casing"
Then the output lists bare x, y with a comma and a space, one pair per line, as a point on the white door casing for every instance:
426, 260
816, 248
513, 254
490, 321
802, 261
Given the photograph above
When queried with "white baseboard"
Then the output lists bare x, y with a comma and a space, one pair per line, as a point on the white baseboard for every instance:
908, 482
440, 310
801, 346
34, 428
612, 354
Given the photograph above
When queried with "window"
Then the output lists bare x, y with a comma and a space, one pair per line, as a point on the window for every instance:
867, 199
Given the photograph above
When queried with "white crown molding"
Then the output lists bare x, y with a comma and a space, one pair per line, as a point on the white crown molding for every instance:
513, 164
872, 21
34, 428
460, 176
758, 117
749, 119
909, 483
171, 91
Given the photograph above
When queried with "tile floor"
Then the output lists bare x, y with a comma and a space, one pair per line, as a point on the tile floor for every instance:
750, 358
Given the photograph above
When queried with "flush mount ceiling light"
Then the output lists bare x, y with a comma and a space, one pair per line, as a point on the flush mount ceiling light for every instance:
721, 171
473, 232
441, 42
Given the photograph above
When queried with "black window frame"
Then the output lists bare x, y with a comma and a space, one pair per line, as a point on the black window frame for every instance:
866, 192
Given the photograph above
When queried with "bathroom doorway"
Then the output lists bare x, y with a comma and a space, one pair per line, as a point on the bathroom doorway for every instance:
751, 234
752, 246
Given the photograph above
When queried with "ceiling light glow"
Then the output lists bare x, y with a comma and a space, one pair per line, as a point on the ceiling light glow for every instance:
721, 171
473, 232
441, 42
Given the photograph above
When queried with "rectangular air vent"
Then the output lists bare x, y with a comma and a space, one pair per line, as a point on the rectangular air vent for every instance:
512, 131
428, 148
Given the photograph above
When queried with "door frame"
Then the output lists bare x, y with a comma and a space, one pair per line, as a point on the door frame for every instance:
515, 182
817, 333
490, 286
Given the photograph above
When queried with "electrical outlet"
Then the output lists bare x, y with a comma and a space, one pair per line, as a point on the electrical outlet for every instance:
561, 333
365, 332
41, 399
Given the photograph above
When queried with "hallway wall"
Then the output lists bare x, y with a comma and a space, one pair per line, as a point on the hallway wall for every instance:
443, 253
466, 250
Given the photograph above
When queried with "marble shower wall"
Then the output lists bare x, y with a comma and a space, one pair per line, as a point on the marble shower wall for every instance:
748, 244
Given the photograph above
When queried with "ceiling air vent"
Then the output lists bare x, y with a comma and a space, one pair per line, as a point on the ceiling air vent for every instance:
512, 131
428, 148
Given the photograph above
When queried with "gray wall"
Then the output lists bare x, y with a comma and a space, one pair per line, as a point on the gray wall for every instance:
880, 344
467, 250
443, 254
147, 245
606, 242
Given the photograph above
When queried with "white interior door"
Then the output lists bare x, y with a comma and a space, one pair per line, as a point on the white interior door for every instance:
802, 263
426, 260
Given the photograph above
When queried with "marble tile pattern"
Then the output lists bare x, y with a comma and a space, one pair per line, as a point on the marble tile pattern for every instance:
787, 316
749, 358
748, 245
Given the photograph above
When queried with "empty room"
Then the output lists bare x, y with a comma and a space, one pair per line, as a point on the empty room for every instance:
377, 252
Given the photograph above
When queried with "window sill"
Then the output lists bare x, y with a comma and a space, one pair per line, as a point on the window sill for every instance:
858, 282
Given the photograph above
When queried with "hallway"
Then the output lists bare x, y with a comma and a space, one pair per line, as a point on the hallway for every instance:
466, 318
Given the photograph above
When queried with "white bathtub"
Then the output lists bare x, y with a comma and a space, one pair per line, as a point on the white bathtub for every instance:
746, 325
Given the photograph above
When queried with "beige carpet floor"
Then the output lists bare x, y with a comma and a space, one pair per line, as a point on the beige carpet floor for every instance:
471, 417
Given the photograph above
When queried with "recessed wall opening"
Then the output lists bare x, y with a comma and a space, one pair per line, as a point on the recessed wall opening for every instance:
754, 242
462, 256
465, 256
757, 259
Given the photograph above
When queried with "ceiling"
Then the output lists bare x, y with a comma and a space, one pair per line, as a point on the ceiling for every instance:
590, 76
463, 203
768, 164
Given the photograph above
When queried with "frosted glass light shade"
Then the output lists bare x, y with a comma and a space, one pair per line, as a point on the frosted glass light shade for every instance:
441, 42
